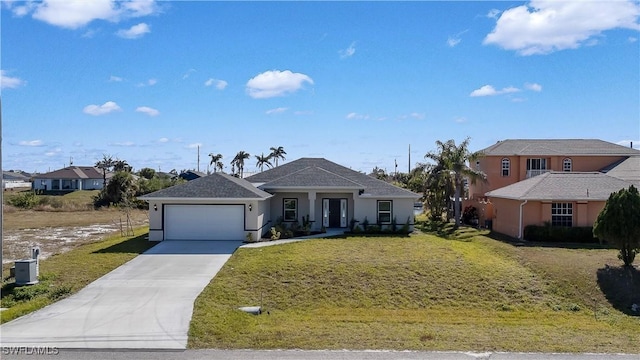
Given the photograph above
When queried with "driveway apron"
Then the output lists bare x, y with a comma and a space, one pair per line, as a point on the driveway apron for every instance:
146, 303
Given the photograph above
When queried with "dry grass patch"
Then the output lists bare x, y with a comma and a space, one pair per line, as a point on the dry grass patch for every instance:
420, 292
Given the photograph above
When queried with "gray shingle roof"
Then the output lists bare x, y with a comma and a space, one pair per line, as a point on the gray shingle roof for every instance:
371, 186
312, 177
551, 147
569, 186
214, 186
74, 172
628, 170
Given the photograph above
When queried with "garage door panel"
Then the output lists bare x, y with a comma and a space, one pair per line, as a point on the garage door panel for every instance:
204, 222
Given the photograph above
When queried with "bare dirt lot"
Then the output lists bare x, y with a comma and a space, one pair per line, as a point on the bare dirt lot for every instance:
58, 231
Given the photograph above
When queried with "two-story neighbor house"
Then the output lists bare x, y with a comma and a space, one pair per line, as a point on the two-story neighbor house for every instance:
565, 182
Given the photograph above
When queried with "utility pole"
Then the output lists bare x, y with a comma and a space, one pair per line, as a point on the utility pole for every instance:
409, 159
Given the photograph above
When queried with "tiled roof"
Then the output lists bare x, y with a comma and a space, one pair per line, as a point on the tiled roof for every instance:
628, 170
569, 186
74, 172
216, 185
553, 147
328, 173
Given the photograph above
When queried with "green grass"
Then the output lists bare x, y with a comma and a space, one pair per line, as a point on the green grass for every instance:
64, 274
70, 201
420, 292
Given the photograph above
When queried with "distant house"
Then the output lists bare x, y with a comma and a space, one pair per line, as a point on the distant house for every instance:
191, 175
15, 179
71, 178
564, 182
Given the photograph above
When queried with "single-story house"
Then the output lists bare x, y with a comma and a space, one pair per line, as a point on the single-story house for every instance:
223, 207
15, 179
560, 198
71, 178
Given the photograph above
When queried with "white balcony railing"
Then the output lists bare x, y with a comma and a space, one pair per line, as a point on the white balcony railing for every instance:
532, 173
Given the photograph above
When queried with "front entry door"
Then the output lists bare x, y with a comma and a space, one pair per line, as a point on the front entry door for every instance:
334, 213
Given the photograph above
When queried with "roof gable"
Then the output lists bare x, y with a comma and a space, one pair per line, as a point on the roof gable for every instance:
557, 147
312, 177
216, 185
569, 186
337, 174
628, 169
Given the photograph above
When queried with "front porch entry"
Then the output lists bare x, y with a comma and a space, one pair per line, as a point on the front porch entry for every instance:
334, 213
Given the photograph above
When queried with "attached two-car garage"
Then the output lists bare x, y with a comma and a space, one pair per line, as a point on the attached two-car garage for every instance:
204, 222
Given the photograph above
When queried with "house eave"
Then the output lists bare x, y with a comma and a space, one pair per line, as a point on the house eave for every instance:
203, 200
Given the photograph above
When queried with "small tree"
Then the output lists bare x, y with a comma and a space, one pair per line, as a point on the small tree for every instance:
619, 223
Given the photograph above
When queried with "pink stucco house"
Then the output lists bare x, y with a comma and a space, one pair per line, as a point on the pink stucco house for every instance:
565, 182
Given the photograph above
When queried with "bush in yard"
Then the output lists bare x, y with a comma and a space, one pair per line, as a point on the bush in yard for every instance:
548, 233
619, 223
470, 215
25, 200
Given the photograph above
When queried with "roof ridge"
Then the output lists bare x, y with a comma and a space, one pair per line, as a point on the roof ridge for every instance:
340, 176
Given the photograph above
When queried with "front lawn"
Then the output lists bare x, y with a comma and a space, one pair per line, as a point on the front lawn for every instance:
421, 292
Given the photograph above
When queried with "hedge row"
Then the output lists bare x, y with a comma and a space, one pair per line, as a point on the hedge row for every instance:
559, 234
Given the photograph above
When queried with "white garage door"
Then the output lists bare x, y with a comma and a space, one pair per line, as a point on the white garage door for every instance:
204, 222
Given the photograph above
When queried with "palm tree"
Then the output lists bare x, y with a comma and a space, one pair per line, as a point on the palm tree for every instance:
277, 153
105, 164
216, 161
262, 161
239, 159
451, 163
121, 165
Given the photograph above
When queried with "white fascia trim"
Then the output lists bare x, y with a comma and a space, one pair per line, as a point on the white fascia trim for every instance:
207, 200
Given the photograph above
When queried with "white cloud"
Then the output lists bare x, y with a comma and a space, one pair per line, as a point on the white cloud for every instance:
149, 82
134, 32
533, 87
31, 143
103, 109
163, 140
147, 110
348, 52
279, 110
545, 26
632, 39
188, 73
194, 146
276, 83
115, 78
8, 82
356, 116
53, 152
74, 14
219, 84
488, 90
452, 42
303, 112
493, 13
125, 144
418, 116
460, 120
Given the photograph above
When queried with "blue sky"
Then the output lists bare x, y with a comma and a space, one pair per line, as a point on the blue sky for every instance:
354, 82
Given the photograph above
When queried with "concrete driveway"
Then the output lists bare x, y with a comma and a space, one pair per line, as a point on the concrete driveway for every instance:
146, 303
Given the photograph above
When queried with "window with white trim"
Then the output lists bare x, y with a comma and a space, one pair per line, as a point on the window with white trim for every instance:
566, 164
506, 167
385, 211
290, 209
562, 214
